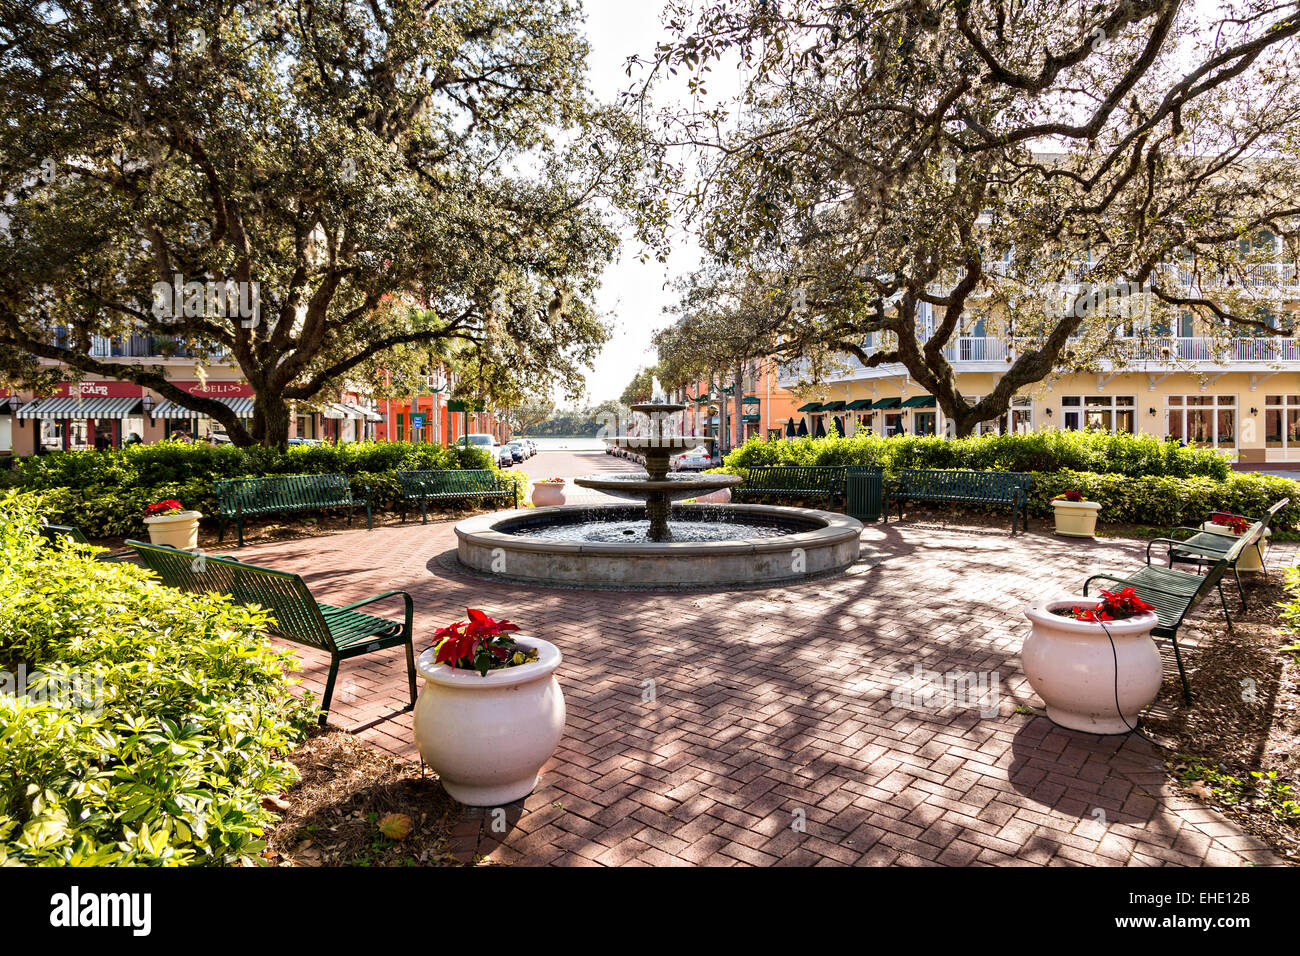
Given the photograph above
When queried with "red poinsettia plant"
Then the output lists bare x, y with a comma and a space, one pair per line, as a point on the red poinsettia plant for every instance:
550, 481
1070, 495
168, 506
1234, 523
1114, 606
480, 644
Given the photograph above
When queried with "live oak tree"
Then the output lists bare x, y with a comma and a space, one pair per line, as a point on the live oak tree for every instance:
1067, 174
304, 188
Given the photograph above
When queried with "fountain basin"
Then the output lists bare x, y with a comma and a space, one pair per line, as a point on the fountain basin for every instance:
674, 487
808, 543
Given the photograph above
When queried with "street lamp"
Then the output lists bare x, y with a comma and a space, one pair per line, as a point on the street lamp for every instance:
147, 403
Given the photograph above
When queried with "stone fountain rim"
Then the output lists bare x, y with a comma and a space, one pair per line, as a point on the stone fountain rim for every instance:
835, 528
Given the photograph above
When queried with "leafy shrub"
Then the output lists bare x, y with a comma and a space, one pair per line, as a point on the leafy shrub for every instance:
1094, 451
195, 713
104, 493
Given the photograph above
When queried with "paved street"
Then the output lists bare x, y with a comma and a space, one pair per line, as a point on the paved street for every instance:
782, 726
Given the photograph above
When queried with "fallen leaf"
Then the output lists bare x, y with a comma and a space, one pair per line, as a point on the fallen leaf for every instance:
395, 826
278, 804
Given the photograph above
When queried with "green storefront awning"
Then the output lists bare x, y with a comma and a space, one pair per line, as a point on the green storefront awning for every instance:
810, 407
920, 401
857, 405
887, 403
834, 406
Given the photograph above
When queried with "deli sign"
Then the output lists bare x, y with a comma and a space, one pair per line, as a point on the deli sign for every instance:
217, 389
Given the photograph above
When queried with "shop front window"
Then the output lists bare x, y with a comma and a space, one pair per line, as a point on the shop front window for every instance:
1282, 421
1209, 420
924, 423
51, 435
1110, 413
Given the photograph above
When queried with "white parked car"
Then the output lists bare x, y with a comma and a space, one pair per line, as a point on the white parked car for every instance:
697, 459
484, 442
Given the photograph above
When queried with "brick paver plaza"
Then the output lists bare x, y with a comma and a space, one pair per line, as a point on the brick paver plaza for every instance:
776, 726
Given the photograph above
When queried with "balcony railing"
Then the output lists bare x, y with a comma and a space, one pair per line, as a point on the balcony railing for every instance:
143, 346
1172, 351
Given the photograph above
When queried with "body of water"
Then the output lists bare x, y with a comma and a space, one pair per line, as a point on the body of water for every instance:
563, 443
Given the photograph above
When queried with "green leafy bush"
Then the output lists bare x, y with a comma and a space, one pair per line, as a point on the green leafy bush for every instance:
167, 759
105, 493
1096, 451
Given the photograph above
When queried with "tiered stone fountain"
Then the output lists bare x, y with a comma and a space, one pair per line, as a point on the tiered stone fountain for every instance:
658, 543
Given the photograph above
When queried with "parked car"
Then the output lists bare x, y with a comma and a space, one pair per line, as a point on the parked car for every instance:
697, 459
517, 450
484, 442
505, 457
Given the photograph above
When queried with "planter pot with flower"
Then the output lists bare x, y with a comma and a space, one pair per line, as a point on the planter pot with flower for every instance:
1093, 663
1236, 526
1076, 517
720, 497
490, 712
548, 492
170, 524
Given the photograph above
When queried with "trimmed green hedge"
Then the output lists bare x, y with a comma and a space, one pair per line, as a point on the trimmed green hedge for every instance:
1096, 451
105, 493
179, 728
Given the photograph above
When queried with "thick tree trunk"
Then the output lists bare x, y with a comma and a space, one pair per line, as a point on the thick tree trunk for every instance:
270, 420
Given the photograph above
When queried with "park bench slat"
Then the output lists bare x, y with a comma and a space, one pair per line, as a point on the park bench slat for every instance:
454, 484
342, 632
239, 498
975, 487
1203, 545
794, 481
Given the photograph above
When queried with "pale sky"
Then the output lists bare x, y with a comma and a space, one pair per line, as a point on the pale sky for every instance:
632, 295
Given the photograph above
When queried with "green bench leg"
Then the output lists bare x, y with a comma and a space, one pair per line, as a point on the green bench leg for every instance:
424, 511
329, 689
239, 525
1182, 674
410, 667
370, 517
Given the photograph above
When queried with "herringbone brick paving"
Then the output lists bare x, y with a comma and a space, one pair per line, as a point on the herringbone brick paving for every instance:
781, 730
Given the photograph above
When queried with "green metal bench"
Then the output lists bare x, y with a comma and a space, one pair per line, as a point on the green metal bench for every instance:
344, 632
241, 498
454, 484
794, 481
974, 487
1205, 545
54, 533
1175, 594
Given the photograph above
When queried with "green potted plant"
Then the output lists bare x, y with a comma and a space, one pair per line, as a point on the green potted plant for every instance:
490, 712
1076, 516
171, 524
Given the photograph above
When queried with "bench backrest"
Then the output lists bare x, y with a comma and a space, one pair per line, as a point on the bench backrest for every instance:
1220, 567
1272, 512
447, 481
975, 485
294, 612
827, 478
54, 533
251, 495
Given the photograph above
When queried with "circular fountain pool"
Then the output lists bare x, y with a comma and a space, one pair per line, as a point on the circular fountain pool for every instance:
612, 546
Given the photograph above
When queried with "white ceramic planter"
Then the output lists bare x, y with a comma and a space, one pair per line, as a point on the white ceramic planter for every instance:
1071, 666
1249, 561
547, 493
487, 737
180, 530
1075, 519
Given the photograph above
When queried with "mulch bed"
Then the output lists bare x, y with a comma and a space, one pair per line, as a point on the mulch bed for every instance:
1244, 715
348, 790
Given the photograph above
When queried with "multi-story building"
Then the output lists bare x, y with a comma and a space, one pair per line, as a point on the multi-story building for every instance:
1240, 395
101, 412
766, 405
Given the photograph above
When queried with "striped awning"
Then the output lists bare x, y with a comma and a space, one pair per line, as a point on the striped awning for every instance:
240, 405
71, 407
349, 410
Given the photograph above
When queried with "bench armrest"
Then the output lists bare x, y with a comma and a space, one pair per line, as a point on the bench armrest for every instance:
380, 597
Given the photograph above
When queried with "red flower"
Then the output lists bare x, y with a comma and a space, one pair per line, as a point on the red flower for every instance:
473, 644
165, 507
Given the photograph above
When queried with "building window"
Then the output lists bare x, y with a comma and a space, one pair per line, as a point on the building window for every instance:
923, 423
1110, 413
1282, 421
1019, 419
1209, 420
893, 423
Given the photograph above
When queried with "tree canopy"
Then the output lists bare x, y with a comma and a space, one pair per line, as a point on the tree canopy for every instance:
305, 190
895, 176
